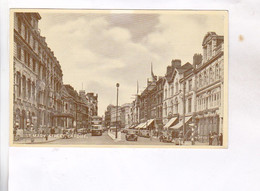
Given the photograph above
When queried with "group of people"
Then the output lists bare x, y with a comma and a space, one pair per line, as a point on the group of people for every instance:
215, 139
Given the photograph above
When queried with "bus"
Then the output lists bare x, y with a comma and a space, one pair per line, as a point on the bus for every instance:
96, 130
96, 127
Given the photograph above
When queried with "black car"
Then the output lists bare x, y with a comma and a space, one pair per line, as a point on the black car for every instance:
131, 136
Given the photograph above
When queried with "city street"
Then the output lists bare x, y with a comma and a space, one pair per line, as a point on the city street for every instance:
106, 140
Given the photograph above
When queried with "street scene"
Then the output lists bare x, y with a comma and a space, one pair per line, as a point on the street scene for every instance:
119, 78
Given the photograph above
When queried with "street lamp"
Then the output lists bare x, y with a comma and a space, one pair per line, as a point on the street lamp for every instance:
117, 86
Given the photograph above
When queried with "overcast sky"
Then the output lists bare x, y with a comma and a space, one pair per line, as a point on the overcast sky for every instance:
101, 49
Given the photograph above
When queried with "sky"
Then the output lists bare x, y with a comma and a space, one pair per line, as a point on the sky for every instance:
98, 49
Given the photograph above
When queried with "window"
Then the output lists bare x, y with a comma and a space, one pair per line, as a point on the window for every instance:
33, 91
210, 75
24, 86
18, 83
210, 50
34, 43
200, 80
190, 84
177, 87
217, 72
165, 93
34, 65
19, 52
189, 105
171, 90
29, 88
205, 78
172, 106
19, 25
25, 33
165, 109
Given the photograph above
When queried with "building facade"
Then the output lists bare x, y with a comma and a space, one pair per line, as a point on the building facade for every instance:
209, 76
39, 96
37, 76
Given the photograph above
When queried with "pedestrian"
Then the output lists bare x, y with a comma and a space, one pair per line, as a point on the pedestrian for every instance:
210, 138
215, 139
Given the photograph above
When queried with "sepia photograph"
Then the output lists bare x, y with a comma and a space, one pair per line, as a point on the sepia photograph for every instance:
118, 78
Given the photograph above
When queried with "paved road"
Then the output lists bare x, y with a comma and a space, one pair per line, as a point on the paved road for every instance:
106, 140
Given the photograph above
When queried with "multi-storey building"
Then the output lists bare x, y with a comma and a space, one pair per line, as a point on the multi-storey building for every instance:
108, 115
135, 111
125, 115
209, 76
171, 100
115, 116
37, 75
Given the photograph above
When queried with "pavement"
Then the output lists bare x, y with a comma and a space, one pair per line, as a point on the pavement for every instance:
36, 140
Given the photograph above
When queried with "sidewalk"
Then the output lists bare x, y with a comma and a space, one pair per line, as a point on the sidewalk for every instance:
37, 140
113, 136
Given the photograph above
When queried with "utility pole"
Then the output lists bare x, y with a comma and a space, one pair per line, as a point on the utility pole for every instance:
117, 86
184, 108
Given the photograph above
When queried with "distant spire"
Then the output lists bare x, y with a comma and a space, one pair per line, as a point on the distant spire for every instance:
137, 88
153, 76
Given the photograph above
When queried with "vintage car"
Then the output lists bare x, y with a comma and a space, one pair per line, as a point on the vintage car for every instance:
82, 131
166, 138
131, 136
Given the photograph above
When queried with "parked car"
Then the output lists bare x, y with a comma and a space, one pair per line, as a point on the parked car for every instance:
166, 138
131, 136
82, 131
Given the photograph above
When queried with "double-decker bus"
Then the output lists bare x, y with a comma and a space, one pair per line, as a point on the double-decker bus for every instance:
96, 127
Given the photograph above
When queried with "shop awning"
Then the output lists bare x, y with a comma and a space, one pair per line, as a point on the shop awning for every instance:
170, 122
148, 123
141, 125
180, 124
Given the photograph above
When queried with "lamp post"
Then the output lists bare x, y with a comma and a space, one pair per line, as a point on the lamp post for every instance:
117, 86
184, 108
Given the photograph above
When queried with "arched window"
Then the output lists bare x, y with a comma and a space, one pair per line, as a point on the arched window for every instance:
165, 92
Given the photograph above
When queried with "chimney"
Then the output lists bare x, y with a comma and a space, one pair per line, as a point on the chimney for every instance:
169, 70
176, 63
197, 59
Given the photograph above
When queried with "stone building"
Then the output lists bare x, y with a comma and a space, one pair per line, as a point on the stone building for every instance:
209, 76
125, 116
37, 75
115, 116
108, 115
